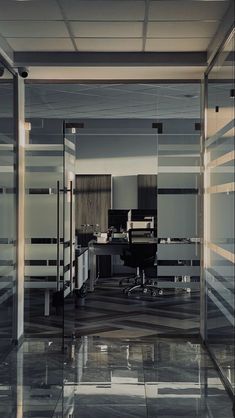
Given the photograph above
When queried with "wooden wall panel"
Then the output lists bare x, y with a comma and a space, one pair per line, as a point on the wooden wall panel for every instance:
147, 191
93, 199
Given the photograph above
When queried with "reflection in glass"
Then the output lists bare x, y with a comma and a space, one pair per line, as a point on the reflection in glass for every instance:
113, 378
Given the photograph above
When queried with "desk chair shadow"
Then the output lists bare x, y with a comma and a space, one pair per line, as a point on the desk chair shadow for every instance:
141, 254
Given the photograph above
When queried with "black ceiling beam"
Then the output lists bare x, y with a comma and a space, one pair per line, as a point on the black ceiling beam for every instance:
100, 59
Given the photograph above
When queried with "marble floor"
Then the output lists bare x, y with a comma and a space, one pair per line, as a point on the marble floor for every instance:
104, 377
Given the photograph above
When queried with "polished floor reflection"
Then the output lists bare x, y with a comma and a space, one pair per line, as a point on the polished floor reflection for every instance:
110, 378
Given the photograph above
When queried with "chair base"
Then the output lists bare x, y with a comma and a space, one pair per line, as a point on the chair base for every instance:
135, 279
153, 290
144, 287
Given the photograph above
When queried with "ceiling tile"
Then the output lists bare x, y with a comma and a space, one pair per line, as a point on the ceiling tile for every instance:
109, 45
41, 44
107, 29
177, 44
181, 29
104, 9
30, 10
24, 29
187, 10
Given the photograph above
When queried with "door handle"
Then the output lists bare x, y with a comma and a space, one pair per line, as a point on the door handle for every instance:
71, 235
58, 239
196, 217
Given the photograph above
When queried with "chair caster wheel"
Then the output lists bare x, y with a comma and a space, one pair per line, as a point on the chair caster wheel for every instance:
160, 292
145, 291
128, 293
124, 291
154, 293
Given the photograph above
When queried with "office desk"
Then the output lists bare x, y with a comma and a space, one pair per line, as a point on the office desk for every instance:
96, 249
108, 248
116, 248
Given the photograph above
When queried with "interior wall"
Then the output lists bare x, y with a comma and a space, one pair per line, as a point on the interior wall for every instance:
125, 192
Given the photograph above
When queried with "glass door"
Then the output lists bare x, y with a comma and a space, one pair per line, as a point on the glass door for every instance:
49, 229
44, 183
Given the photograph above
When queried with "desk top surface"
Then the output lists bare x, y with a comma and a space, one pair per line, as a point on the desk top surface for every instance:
125, 242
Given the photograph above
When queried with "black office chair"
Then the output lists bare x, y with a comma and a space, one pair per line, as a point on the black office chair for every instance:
142, 253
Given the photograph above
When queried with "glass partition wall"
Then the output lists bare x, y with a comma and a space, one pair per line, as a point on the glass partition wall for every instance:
8, 236
219, 209
178, 204
137, 146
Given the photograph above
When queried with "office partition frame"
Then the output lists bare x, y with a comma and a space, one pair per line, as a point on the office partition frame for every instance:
217, 288
10, 144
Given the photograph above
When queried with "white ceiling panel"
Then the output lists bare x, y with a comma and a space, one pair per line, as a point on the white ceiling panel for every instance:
32, 29
187, 10
104, 10
176, 44
30, 10
109, 45
107, 29
181, 29
41, 44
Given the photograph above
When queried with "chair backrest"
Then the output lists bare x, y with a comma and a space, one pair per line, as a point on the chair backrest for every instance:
143, 246
142, 236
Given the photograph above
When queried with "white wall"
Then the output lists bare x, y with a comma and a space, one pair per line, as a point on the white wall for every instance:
123, 148
119, 153
125, 195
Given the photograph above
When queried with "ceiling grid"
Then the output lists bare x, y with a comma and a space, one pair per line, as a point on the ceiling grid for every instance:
145, 23
110, 25
144, 28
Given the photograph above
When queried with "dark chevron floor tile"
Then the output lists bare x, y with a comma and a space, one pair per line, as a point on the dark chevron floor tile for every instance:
109, 312
136, 316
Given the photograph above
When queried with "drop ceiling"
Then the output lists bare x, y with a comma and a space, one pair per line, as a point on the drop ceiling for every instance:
110, 25
74, 27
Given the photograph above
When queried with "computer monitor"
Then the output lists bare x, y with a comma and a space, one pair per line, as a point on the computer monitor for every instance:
117, 218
